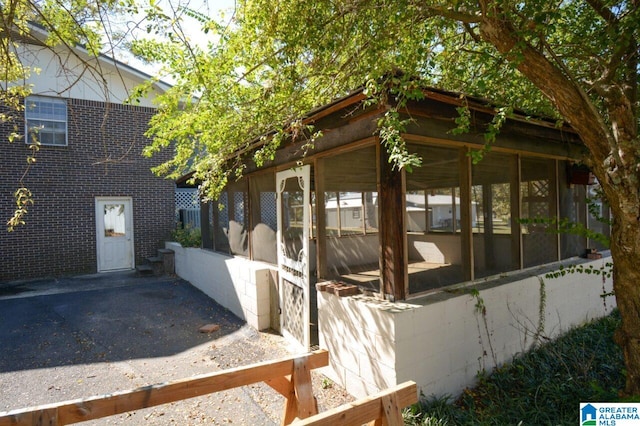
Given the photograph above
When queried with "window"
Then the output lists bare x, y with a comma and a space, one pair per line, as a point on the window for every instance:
433, 217
46, 120
344, 212
496, 240
599, 215
538, 201
264, 220
350, 215
350, 200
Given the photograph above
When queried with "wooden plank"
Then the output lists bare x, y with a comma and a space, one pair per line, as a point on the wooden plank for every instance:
300, 402
364, 410
282, 385
303, 389
392, 410
290, 412
148, 396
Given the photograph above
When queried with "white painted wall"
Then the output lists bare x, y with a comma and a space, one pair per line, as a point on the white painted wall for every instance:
343, 252
440, 340
435, 247
65, 76
238, 284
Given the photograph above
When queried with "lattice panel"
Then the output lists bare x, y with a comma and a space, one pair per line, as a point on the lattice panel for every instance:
239, 203
268, 209
539, 189
223, 214
186, 198
293, 310
539, 246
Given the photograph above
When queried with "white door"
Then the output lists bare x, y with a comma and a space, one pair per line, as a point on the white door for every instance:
114, 226
293, 253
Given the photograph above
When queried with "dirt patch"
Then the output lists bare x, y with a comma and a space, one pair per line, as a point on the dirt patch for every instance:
265, 346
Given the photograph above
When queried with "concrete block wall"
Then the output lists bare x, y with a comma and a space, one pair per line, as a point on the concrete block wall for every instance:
443, 340
238, 284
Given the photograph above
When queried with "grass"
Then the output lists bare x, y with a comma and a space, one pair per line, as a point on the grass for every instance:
542, 387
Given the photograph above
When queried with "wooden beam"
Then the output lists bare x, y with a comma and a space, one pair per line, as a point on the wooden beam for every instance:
409, 137
300, 402
392, 410
391, 226
282, 385
205, 225
516, 211
369, 409
466, 232
81, 410
321, 221
330, 109
304, 392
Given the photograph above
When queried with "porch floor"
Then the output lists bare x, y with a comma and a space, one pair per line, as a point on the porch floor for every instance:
423, 276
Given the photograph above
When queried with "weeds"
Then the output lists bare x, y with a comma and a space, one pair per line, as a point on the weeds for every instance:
187, 236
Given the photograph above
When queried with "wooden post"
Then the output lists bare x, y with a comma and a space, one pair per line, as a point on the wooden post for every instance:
205, 225
516, 213
300, 402
321, 221
391, 225
465, 215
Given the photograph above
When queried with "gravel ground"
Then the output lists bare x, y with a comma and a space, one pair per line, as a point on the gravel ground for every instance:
78, 343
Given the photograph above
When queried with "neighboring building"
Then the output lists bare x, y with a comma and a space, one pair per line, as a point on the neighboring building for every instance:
97, 205
451, 281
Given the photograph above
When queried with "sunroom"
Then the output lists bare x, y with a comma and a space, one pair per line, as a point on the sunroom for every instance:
352, 251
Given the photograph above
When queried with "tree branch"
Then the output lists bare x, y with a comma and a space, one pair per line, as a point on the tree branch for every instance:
456, 15
572, 102
604, 12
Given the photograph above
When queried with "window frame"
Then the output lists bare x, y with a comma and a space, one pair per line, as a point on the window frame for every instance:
51, 119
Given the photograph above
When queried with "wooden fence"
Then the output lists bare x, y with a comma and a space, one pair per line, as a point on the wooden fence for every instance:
291, 377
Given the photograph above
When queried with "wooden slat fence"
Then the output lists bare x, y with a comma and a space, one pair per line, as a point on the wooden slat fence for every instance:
289, 376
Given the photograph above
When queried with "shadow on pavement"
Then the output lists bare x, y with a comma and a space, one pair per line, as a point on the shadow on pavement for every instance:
104, 318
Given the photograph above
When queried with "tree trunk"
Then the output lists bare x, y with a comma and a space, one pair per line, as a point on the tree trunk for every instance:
614, 158
625, 250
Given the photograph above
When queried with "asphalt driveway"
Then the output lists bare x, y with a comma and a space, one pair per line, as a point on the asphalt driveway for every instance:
83, 336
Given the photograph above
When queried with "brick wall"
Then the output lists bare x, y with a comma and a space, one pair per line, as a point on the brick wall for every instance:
103, 158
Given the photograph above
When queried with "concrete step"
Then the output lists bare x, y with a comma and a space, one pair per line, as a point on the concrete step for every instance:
144, 269
168, 259
157, 264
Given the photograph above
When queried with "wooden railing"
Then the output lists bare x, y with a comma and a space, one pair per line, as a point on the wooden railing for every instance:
290, 376
384, 408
